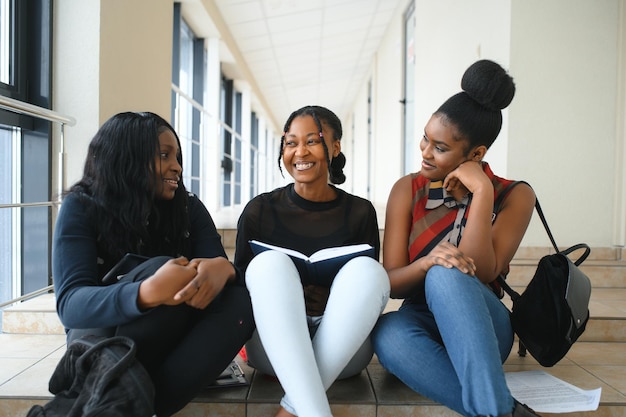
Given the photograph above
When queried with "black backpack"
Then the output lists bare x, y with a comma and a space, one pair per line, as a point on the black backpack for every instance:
100, 377
553, 311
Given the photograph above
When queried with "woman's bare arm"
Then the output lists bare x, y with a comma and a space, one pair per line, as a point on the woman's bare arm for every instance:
405, 276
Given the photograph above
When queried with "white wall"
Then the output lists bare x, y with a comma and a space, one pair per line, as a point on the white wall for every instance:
76, 73
109, 58
564, 55
387, 109
449, 36
354, 145
446, 42
564, 131
561, 133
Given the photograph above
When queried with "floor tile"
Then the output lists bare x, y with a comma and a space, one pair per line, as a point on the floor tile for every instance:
18, 407
33, 382
29, 346
354, 390
9, 367
412, 411
613, 375
213, 409
592, 353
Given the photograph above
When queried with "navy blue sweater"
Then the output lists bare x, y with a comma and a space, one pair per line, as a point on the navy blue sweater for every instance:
82, 302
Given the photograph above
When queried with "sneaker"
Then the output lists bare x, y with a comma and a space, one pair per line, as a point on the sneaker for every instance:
522, 410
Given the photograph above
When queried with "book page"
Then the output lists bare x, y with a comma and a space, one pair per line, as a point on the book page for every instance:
289, 252
330, 253
320, 255
545, 393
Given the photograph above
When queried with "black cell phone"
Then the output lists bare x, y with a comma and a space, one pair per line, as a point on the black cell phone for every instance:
123, 267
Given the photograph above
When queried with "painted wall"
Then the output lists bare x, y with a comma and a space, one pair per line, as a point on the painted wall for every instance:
109, 58
564, 55
561, 132
564, 131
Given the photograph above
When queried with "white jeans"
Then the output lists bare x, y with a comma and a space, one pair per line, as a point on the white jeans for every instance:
306, 368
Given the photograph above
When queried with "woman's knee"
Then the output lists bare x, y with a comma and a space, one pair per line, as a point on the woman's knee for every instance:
440, 279
364, 273
266, 265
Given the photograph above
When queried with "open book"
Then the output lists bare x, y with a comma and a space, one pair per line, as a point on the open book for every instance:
321, 267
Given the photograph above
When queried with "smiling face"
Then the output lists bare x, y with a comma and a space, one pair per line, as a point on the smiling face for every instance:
303, 152
442, 151
168, 169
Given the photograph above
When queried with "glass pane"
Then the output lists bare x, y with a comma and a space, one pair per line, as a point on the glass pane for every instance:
195, 186
186, 59
6, 41
226, 194
35, 240
195, 160
6, 214
238, 171
409, 92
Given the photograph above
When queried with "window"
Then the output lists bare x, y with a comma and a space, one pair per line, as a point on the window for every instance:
409, 89
232, 146
188, 75
254, 155
9, 217
7, 51
25, 148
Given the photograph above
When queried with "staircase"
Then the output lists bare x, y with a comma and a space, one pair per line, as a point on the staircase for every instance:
32, 343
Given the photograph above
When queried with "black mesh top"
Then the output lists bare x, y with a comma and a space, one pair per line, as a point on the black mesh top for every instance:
283, 218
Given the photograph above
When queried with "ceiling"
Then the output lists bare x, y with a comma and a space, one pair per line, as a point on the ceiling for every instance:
308, 51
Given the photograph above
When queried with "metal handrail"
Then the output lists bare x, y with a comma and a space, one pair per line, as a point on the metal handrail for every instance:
39, 204
28, 109
28, 296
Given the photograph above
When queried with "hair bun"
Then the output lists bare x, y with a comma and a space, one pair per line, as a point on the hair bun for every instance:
488, 84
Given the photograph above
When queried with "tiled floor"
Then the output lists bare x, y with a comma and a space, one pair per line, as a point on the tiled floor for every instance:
27, 361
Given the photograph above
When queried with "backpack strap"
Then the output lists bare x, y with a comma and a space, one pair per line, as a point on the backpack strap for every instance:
496, 208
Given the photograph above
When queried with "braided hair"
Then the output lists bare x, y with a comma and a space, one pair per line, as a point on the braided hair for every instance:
320, 114
476, 111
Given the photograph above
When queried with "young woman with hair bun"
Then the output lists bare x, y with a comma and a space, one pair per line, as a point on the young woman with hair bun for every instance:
442, 249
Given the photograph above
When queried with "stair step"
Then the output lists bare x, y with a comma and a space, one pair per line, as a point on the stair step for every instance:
607, 310
34, 316
603, 274
374, 392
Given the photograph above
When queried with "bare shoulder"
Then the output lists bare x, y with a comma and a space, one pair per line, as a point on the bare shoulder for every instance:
522, 197
400, 196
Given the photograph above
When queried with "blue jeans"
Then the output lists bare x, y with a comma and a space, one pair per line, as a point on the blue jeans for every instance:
451, 349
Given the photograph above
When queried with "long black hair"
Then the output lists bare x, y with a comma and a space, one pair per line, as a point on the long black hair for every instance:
120, 183
320, 115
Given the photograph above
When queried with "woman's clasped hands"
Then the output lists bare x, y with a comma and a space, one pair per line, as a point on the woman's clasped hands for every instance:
449, 256
195, 282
